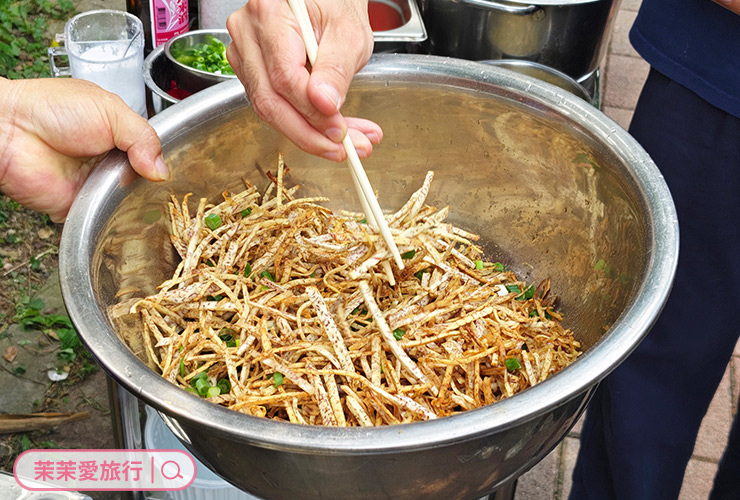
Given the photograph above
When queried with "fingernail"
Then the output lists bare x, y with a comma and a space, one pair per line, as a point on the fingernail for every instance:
363, 153
335, 134
332, 156
160, 167
331, 93
373, 137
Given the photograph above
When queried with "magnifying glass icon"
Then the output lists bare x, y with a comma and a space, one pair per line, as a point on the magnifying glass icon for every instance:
176, 475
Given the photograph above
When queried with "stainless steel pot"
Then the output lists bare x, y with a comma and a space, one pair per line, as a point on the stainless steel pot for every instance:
555, 188
544, 73
569, 35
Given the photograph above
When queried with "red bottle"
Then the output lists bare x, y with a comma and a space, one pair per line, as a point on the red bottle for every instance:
162, 19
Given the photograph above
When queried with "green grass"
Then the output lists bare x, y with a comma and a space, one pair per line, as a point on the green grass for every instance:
25, 37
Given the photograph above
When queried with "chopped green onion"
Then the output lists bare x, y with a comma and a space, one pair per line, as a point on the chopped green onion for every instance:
398, 333
210, 263
277, 378
526, 295
213, 221
201, 376
512, 364
268, 275
192, 391
363, 221
182, 366
151, 216
600, 264
213, 392
224, 385
202, 386
498, 266
227, 335
479, 264
210, 57
408, 255
534, 313
214, 298
248, 270
420, 274
246, 212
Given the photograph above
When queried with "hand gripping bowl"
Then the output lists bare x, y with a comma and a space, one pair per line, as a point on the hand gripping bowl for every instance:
554, 187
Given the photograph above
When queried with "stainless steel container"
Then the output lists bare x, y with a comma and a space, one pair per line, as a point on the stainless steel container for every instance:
569, 35
405, 38
555, 188
189, 77
159, 74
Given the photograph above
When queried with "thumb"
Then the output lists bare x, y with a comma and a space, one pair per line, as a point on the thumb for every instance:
341, 54
133, 134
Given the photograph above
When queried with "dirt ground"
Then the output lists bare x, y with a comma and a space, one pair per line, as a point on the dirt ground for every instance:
29, 288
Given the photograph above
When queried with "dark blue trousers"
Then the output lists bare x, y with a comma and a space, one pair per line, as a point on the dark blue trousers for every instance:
641, 426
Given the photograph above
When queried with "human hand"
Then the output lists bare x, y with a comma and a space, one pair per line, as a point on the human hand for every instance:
269, 57
733, 5
53, 131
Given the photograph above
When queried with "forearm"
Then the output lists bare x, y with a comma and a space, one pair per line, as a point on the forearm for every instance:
733, 5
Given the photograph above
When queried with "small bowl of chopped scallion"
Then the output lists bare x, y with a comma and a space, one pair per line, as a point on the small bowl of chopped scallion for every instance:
199, 58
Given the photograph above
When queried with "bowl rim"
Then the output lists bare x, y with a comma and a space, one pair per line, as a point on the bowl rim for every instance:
149, 61
88, 213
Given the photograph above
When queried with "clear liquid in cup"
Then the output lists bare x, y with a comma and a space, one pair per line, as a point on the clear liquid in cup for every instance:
104, 63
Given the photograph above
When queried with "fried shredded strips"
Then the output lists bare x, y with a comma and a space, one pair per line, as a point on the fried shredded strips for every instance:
283, 309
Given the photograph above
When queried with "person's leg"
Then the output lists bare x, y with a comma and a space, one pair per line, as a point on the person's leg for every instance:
727, 481
641, 426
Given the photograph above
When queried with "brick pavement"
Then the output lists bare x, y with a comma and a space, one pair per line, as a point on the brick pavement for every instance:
624, 75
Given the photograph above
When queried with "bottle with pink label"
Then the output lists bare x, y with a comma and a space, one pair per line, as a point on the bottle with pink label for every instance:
162, 19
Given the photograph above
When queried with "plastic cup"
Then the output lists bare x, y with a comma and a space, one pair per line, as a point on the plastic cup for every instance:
105, 47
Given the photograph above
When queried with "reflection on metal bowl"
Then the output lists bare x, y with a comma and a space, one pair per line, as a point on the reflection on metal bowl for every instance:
544, 73
555, 188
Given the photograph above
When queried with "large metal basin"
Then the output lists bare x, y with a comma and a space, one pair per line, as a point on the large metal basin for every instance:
554, 187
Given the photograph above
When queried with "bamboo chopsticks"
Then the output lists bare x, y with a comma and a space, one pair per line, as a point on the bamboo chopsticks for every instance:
370, 206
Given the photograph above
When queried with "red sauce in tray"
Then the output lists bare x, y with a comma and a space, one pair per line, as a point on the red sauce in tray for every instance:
383, 17
177, 92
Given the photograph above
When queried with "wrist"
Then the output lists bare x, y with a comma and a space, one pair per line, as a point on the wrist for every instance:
10, 91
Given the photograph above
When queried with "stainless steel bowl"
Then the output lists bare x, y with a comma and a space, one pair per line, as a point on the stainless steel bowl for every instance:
190, 78
159, 73
544, 73
555, 188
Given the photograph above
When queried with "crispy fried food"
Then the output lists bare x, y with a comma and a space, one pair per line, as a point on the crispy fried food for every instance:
282, 309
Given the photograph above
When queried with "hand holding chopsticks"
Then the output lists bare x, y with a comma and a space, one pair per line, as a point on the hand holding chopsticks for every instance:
369, 202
